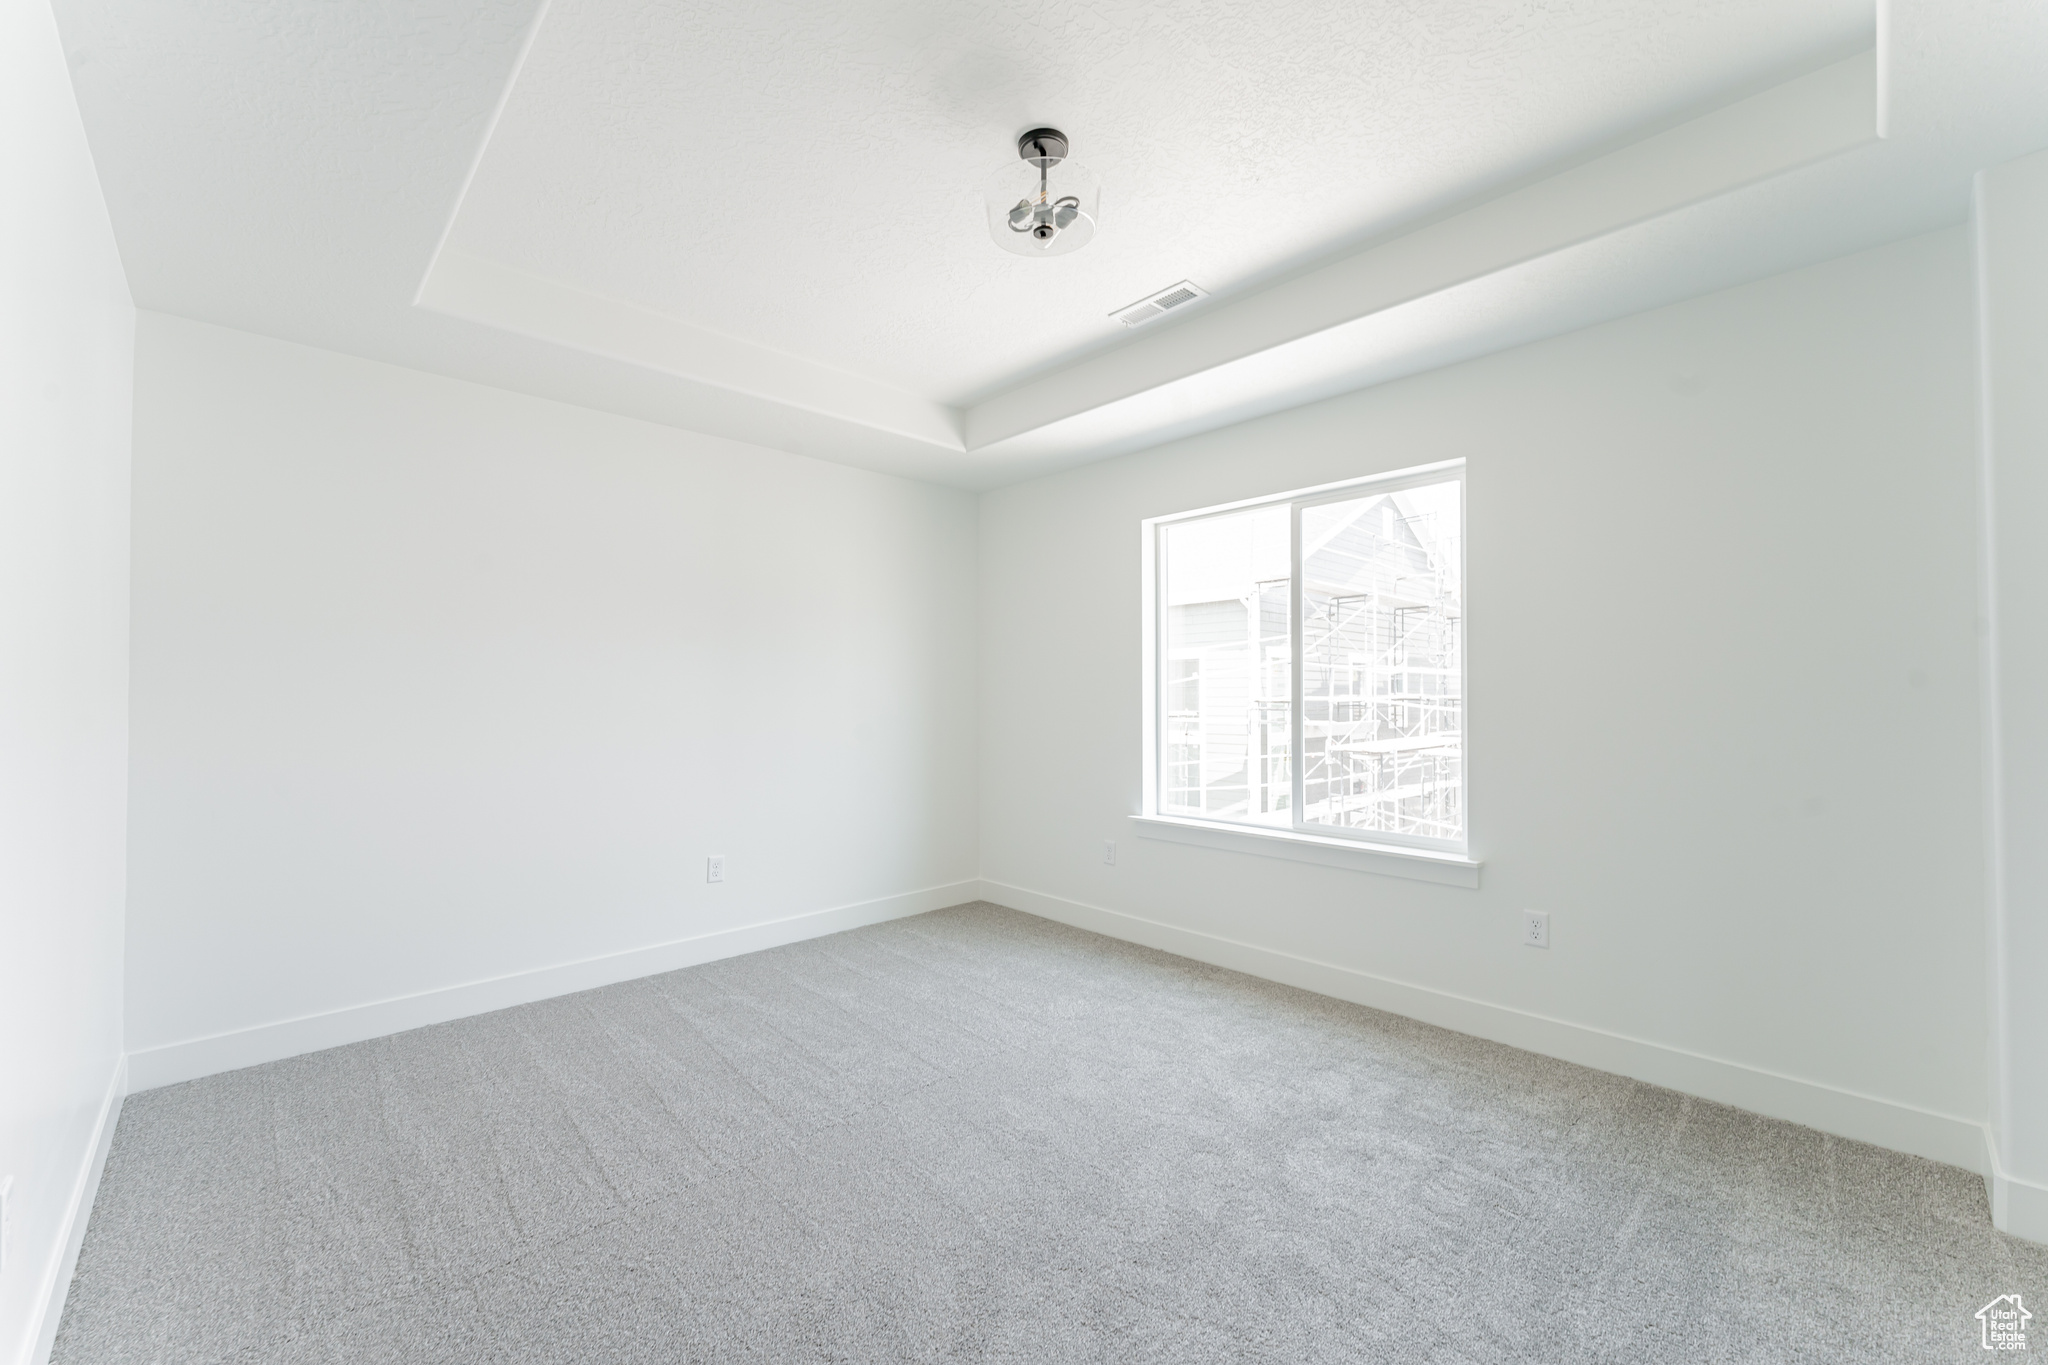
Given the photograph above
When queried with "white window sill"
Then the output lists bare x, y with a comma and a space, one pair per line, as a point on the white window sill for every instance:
1391, 860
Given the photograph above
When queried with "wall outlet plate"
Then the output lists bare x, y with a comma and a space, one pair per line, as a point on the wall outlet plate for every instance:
1536, 928
714, 868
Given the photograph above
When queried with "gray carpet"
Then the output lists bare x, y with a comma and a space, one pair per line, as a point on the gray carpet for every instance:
975, 1135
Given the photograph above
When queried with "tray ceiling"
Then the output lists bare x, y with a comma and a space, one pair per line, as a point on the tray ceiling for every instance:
761, 221
808, 176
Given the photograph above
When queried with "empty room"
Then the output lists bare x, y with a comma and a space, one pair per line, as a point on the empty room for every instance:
1073, 681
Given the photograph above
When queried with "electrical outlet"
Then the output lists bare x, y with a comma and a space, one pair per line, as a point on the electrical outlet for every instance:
1536, 928
714, 868
1109, 852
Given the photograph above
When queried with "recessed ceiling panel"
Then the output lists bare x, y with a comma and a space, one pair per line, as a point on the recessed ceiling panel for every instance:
807, 177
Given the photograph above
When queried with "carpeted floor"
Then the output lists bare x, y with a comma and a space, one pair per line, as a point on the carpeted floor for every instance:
975, 1135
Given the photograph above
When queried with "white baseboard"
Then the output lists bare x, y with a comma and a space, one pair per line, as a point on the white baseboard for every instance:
196, 1057
1946, 1138
2018, 1206
42, 1333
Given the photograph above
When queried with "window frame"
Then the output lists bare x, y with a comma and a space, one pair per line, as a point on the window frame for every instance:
1320, 841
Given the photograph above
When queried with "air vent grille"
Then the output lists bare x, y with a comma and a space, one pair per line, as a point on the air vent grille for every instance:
1146, 309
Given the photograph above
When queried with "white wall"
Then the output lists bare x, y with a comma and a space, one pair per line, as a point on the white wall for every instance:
2011, 220
66, 347
1723, 701
436, 683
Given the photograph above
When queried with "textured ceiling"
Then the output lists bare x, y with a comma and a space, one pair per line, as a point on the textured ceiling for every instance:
794, 189
266, 161
807, 176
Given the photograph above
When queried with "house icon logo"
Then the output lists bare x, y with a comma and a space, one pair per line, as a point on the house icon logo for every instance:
2005, 1321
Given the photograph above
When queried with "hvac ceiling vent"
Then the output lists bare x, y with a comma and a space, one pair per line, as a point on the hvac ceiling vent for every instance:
1173, 296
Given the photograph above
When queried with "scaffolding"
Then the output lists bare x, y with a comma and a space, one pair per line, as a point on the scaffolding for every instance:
1383, 710
1382, 724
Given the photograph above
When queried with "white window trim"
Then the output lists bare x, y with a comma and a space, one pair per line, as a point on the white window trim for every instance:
1451, 866
1392, 860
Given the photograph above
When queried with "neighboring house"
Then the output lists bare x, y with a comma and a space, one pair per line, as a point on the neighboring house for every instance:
1382, 727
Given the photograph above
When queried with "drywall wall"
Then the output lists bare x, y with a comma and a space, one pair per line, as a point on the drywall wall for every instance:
1723, 701
438, 685
2011, 222
66, 348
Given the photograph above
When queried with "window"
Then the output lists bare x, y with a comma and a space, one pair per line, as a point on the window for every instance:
1307, 669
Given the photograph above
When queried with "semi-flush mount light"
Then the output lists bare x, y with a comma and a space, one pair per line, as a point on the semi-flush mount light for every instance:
1043, 204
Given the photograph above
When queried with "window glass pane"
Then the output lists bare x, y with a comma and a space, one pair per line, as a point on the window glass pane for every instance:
1382, 668
1223, 680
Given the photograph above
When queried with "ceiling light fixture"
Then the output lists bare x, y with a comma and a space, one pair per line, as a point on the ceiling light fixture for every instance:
1043, 204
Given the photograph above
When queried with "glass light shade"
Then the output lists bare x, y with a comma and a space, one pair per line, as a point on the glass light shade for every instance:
1051, 218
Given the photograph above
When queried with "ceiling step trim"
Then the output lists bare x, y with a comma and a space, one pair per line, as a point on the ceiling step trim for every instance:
1524, 258
1816, 116
465, 285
